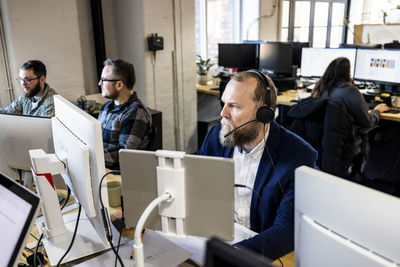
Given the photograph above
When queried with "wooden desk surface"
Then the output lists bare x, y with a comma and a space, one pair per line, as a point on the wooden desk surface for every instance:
286, 97
390, 116
206, 89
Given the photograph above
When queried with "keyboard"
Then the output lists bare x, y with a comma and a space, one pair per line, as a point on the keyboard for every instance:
393, 111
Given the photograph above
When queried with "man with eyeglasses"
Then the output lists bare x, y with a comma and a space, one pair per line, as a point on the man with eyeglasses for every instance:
37, 99
125, 120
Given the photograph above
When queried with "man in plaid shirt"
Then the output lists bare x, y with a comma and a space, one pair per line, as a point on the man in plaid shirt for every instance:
38, 97
125, 120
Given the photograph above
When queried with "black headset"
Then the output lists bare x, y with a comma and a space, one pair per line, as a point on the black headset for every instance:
265, 114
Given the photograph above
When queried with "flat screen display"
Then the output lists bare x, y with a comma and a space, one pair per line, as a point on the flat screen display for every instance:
314, 61
243, 56
18, 207
276, 56
378, 65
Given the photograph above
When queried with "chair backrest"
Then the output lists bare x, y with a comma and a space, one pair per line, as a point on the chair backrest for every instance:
306, 119
153, 144
338, 141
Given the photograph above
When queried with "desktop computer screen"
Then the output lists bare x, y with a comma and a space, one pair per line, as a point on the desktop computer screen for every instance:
18, 135
78, 145
297, 52
74, 130
378, 65
18, 210
242, 56
341, 223
276, 56
314, 61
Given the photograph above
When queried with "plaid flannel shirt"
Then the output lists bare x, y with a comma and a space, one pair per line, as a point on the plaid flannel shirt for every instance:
25, 106
125, 126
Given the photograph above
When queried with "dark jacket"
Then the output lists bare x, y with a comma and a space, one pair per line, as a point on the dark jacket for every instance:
328, 127
339, 145
306, 119
273, 216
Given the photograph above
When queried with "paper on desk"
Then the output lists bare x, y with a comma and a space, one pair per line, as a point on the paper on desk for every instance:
158, 251
301, 96
197, 245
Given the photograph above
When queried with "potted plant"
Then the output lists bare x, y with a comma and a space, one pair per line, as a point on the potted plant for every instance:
203, 66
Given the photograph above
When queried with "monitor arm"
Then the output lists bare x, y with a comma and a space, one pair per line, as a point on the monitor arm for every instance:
171, 200
44, 166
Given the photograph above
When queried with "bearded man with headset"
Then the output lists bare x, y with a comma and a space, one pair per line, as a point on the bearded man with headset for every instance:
265, 156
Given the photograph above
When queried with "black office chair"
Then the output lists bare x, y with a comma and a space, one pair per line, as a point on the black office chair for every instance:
383, 164
153, 140
329, 129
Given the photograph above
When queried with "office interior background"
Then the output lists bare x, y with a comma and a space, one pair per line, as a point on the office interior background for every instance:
72, 37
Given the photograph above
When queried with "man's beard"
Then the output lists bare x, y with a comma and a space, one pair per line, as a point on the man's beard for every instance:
34, 91
239, 137
112, 95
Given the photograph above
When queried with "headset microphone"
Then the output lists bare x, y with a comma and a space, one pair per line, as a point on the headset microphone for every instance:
244, 124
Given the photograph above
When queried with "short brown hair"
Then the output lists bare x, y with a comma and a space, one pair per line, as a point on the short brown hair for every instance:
124, 70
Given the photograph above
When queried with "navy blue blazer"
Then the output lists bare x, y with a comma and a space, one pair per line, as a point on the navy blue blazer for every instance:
272, 216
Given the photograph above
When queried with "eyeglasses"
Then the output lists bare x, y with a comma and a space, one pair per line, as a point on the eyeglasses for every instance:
26, 80
106, 80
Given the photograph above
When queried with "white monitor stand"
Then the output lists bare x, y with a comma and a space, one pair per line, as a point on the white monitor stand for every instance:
58, 229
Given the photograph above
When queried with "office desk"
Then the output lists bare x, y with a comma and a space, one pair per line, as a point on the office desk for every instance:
390, 116
286, 97
206, 89
288, 260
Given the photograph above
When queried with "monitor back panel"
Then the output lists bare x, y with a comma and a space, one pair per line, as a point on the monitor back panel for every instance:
209, 192
18, 135
343, 221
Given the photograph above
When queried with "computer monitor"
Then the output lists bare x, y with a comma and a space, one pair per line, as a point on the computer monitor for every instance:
378, 65
18, 210
194, 194
393, 45
78, 144
241, 56
276, 57
208, 183
360, 46
297, 52
341, 223
219, 253
314, 61
18, 135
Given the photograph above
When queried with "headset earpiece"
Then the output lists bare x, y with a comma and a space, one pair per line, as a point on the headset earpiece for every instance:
265, 114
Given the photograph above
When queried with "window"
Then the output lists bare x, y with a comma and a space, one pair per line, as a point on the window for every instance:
320, 22
224, 21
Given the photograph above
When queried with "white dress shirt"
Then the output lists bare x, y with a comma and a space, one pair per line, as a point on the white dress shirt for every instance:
246, 166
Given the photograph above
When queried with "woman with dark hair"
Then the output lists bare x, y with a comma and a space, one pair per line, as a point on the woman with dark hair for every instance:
335, 120
337, 85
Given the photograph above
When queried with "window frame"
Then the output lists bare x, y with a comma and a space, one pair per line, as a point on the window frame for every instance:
237, 24
311, 21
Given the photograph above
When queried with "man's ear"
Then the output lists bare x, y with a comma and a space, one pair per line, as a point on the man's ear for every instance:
119, 85
42, 80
